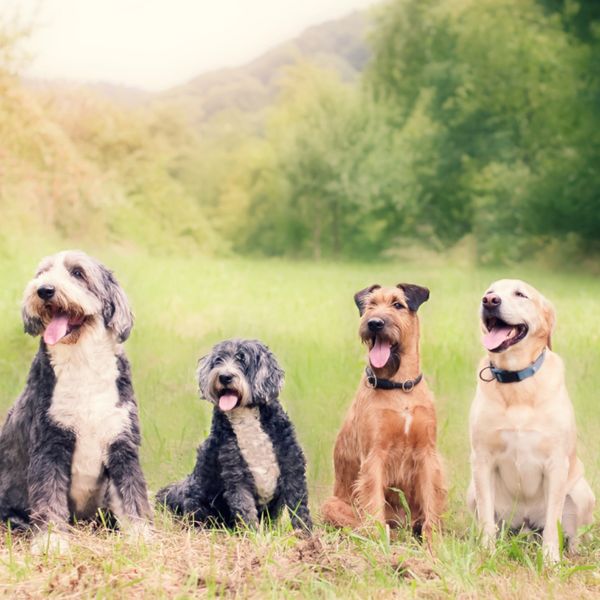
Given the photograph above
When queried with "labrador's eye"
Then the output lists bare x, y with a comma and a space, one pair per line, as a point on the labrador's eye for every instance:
520, 294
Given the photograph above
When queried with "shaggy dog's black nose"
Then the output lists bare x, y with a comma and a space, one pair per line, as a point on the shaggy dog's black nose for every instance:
225, 378
491, 300
45, 292
375, 324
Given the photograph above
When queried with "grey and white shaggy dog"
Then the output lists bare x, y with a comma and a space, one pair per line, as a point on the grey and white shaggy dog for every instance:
251, 465
69, 446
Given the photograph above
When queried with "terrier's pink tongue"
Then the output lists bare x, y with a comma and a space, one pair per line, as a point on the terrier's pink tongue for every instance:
227, 401
493, 338
56, 330
379, 353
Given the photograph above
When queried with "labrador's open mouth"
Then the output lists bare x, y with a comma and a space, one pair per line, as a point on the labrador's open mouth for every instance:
501, 335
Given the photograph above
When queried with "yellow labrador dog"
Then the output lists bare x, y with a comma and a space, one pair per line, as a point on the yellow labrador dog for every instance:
525, 470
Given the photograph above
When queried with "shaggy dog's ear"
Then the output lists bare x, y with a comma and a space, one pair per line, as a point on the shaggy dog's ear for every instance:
415, 295
115, 307
360, 297
268, 377
202, 374
31, 325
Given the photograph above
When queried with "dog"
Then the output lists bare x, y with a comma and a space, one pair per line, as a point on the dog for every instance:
251, 465
69, 446
525, 470
386, 447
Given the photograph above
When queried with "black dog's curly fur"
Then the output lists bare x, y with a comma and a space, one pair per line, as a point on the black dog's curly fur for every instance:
222, 489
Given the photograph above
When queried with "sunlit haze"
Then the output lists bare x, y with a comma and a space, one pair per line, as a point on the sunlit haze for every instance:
155, 44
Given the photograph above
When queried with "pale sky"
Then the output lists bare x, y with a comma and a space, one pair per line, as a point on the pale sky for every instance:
155, 44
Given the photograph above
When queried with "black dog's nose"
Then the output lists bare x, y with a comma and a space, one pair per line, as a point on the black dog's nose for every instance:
45, 292
375, 324
491, 300
225, 378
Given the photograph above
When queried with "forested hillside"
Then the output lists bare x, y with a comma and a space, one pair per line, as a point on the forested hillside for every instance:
454, 120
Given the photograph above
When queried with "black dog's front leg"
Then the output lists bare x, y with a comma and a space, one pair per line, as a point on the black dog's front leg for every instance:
128, 492
294, 490
236, 489
48, 480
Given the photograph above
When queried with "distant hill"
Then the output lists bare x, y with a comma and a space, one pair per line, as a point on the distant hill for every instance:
339, 45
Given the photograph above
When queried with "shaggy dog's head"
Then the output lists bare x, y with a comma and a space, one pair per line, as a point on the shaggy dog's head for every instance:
389, 323
71, 292
239, 373
514, 315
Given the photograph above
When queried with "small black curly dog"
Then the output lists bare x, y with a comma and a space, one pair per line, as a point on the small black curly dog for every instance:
251, 465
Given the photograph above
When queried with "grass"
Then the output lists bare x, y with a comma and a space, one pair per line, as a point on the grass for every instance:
305, 313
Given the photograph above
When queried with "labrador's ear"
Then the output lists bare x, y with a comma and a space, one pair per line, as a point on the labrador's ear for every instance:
549, 318
360, 297
415, 295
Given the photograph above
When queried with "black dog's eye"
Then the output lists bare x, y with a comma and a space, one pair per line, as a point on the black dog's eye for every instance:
241, 358
217, 361
398, 305
520, 294
78, 273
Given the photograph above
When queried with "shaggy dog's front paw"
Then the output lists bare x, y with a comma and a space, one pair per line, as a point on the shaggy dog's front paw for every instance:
49, 542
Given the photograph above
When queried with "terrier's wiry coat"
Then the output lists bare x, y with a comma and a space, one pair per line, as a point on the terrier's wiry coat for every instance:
251, 465
387, 444
69, 446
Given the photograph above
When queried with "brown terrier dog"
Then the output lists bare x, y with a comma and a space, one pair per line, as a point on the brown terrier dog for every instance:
387, 443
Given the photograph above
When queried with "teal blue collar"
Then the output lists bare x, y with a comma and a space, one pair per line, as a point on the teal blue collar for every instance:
503, 376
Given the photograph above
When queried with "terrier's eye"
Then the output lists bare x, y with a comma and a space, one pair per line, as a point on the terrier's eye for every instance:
520, 294
78, 273
398, 305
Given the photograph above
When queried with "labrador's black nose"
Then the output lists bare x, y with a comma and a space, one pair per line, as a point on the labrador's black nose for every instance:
225, 378
375, 324
491, 300
46, 292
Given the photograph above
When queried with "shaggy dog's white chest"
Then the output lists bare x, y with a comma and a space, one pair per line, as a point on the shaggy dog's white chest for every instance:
257, 450
85, 401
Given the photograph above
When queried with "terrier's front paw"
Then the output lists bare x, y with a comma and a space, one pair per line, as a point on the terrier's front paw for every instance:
49, 542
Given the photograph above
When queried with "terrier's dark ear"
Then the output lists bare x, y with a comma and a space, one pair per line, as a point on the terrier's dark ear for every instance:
360, 297
415, 295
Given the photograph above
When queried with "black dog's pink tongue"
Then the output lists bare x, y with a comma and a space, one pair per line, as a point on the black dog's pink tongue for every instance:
56, 329
380, 353
227, 401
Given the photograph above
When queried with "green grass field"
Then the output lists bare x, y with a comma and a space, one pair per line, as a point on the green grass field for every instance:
305, 313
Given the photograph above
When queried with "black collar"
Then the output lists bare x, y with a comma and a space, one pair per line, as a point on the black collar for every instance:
503, 376
386, 384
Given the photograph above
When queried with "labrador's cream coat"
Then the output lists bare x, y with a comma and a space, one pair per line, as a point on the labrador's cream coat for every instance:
525, 470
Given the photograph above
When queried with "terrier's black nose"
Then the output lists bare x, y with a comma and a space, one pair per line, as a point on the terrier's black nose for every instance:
225, 378
375, 324
45, 292
491, 300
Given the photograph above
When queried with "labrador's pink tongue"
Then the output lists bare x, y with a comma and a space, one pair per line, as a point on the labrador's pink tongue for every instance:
379, 353
56, 330
227, 401
492, 339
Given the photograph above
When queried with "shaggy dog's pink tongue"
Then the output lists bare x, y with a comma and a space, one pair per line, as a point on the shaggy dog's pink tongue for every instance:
496, 336
56, 329
227, 401
379, 353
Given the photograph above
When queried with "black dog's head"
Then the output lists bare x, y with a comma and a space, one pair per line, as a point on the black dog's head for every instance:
239, 373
